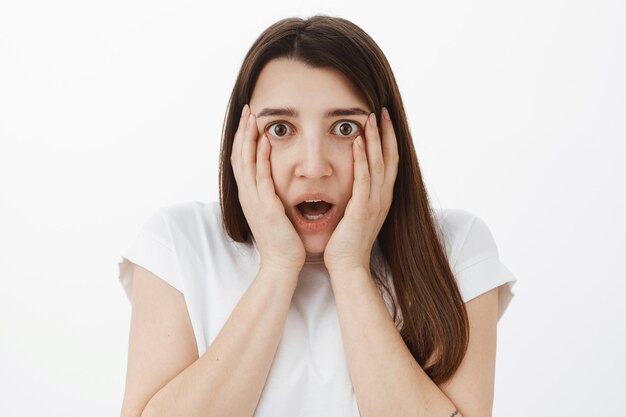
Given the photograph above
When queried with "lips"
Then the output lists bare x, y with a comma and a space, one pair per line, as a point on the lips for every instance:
316, 224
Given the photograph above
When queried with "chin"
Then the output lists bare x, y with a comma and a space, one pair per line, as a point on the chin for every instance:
315, 244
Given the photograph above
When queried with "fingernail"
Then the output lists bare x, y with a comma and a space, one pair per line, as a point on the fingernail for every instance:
245, 110
359, 142
249, 120
386, 113
373, 119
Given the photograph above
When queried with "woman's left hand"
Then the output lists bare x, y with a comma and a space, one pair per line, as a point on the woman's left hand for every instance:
375, 171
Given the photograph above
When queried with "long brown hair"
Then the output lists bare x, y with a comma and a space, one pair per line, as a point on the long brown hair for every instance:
434, 323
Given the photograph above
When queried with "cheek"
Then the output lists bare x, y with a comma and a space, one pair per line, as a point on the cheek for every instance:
347, 161
345, 171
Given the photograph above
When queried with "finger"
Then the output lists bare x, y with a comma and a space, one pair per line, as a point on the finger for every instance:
361, 186
374, 158
238, 133
248, 153
265, 185
248, 142
235, 157
390, 155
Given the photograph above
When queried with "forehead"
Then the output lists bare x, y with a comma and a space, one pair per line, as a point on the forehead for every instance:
288, 83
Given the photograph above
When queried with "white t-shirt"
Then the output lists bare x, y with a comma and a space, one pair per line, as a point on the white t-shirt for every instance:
185, 245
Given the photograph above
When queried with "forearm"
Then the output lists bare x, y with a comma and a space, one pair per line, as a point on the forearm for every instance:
387, 380
228, 379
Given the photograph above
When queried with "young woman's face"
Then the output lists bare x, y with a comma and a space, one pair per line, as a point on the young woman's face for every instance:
311, 117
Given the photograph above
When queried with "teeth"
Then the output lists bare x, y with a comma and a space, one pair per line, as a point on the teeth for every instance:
312, 201
308, 217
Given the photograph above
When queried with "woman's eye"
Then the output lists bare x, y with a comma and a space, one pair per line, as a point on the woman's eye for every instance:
277, 129
345, 128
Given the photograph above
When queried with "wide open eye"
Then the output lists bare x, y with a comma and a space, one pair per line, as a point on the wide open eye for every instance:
347, 128
278, 129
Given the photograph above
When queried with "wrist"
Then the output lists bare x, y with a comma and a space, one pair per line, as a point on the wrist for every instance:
280, 281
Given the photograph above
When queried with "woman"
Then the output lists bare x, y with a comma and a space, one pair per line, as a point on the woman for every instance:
323, 283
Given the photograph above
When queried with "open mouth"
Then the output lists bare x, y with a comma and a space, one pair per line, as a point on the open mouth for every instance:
314, 209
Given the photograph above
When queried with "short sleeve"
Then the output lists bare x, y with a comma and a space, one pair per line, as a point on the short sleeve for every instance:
153, 250
478, 267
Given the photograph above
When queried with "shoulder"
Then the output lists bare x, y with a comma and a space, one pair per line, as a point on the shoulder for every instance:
191, 219
465, 235
191, 213
196, 229
189, 228
474, 256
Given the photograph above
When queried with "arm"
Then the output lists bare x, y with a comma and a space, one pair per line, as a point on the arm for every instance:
386, 378
229, 377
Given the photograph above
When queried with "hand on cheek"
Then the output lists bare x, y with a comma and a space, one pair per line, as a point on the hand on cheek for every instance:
375, 170
280, 247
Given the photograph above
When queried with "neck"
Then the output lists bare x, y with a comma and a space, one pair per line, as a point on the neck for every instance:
314, 258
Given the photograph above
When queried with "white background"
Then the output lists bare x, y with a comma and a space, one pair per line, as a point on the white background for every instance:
109, 110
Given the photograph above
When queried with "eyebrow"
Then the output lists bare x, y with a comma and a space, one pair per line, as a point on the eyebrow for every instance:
288, 111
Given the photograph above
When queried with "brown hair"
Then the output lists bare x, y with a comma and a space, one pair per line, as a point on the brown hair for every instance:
434, 322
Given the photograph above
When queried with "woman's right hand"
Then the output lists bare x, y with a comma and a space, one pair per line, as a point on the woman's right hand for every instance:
279, 244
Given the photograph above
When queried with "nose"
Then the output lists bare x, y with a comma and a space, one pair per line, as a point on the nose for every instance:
313, 157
